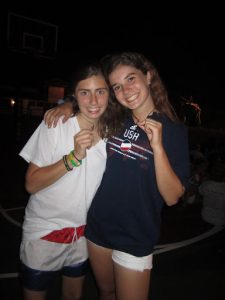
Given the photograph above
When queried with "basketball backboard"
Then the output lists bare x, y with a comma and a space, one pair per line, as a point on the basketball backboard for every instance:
27, 35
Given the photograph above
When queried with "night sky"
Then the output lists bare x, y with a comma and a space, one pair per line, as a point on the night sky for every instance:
187, 48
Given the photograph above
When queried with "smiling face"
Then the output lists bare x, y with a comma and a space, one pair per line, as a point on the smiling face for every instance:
131, 87
92, 96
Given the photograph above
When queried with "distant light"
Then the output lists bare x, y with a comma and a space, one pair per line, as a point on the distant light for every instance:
12, 102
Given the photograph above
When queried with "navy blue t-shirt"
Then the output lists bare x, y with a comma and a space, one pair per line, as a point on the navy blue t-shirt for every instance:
125, 213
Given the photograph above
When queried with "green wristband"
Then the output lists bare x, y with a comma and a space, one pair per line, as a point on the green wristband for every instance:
79, 160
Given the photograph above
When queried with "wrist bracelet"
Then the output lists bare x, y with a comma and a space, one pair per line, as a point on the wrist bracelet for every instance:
79, 160
66, 163
73, 162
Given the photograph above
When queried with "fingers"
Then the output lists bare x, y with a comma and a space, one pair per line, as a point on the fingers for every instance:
148, 125
52, 116
151, 124
83, 141
55, 120
84, 137
153, 129
48, 118
65, 118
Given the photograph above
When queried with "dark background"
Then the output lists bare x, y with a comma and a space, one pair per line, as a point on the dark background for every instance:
185, 43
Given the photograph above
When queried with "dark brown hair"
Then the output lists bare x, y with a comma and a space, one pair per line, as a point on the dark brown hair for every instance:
140, 62
107, 122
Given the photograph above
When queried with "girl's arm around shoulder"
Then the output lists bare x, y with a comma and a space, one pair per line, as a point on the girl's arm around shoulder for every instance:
52, 116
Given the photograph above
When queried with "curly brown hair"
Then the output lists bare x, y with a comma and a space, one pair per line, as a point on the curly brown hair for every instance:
139, 61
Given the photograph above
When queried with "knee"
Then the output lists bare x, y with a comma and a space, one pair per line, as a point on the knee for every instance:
107, 294
71, 296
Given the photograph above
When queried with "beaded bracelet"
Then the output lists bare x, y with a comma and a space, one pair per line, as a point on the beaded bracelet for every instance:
66, 163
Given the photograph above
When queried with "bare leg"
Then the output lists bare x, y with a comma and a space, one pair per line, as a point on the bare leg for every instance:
130, 284
72, 288
33, 295
102, 266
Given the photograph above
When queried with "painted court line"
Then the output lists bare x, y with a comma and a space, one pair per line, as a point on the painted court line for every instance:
8, 218
173, 246
9, 275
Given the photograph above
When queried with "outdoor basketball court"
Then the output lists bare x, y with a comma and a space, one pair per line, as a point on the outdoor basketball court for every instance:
189, 261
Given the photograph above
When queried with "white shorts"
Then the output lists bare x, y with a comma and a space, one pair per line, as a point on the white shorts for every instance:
49, 256
132, 262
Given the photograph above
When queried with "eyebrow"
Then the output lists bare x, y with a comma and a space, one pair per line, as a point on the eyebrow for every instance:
128, 75
102, 88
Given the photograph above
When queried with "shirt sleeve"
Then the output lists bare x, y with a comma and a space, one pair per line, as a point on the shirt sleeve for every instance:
41, 146
177, 148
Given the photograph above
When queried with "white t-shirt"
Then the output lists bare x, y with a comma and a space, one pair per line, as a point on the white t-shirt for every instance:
65, 202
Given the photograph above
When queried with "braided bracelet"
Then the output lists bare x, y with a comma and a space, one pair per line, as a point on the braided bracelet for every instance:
66, 163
